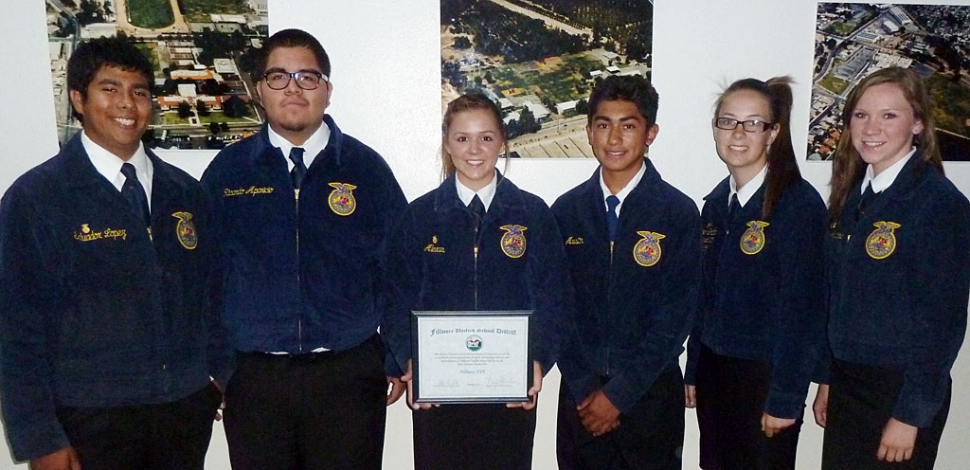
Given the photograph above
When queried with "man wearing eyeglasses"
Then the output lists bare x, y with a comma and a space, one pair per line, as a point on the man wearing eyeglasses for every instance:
303, 211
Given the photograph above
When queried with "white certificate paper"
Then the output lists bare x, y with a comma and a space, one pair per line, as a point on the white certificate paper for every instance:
471, 357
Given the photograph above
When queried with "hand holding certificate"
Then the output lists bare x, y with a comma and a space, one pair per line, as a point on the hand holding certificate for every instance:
471, 357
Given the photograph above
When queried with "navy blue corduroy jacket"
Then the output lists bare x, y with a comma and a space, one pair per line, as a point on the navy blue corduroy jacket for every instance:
631, 319
433, 266
768, 305
301, 274
906, 311
93, 311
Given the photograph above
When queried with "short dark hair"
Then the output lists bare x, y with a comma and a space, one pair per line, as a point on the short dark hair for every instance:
290, 38
92, 55
632, 88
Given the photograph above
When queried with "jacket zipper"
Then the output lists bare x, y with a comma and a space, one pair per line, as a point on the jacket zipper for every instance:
475, 258
299, 318
609, 306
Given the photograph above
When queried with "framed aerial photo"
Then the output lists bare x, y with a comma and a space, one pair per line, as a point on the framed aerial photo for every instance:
539, 59
852, 40
203, 97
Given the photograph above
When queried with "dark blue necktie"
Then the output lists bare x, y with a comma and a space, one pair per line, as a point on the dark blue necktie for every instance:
299, 168
867, 197
478, 209
612, 219
734, 207
133, 191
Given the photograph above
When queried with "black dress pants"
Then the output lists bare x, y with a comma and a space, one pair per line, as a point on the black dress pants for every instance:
314, 411
170, 436
650, 435
731, 395
479, 436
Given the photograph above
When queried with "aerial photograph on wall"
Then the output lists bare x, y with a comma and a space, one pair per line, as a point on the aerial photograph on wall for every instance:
539, 60
852, 40
203, 96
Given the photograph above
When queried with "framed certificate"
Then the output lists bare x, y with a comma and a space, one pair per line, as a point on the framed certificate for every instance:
471, 357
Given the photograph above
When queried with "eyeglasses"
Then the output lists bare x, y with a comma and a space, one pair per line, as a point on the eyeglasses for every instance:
753, 125
305, 79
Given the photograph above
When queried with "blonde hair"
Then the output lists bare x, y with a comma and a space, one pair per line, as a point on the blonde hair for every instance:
468, 102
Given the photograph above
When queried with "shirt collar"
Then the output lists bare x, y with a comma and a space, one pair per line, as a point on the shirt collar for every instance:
109, 164
748, 190
623, 193
885, 179
486, 194
311, 148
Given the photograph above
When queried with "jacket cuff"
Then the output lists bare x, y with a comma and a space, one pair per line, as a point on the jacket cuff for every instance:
582, 387
222, 373
690, 373
391, 367
621, 394
37, 441
785, 405
916, 412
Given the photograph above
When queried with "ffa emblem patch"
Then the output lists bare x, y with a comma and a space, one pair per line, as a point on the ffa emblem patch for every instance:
341, 199
647, 251
882, 241
753, 239
185, 230
513, 242
473, 343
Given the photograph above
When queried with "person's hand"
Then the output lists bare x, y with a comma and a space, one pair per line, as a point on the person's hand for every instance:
397, 386
771, 425
821, 405
690, 396
597, 414
407, 378
898, 440
63, 459
533, 390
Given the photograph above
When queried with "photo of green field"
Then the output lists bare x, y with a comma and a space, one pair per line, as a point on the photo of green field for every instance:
539, 60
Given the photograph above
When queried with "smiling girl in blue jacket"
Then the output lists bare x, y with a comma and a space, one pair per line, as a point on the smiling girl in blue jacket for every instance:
899, 273
448, 255
762, 315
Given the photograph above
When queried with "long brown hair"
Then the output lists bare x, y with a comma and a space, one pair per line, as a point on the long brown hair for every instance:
849, 167
782, 167
468, 102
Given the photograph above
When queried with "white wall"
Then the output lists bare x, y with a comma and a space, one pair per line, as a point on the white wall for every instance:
386, 92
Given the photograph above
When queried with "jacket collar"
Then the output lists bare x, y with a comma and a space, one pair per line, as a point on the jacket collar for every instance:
721, 191
647, 191
507, 197
909, 177
266, 154
83, 174
78, 165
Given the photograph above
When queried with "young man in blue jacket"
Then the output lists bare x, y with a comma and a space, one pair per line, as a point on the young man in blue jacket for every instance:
110, 355
303, 212
633, 244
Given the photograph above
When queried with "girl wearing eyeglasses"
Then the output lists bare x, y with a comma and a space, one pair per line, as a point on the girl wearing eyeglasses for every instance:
477, 242
899, 273
755, 341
